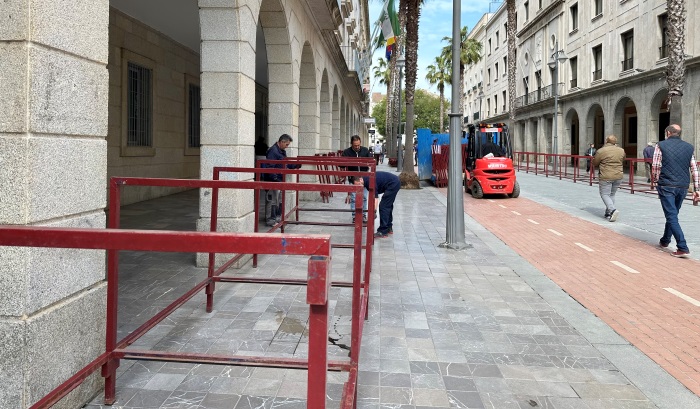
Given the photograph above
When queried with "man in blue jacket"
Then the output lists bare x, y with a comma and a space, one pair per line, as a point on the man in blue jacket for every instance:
273, 198
388, 184
669, 169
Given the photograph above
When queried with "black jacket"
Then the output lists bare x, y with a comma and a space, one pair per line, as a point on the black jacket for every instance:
362, 153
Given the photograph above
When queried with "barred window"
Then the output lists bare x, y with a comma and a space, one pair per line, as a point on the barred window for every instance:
139, 106
193, 116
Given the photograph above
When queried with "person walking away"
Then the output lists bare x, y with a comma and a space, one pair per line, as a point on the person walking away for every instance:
387, 185
609, 160
377, 152
590, 152
669, 170
273, 197
648, 154
356, 150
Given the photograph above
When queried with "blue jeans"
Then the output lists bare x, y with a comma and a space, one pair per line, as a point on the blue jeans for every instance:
671, 200
386, 208
364, 202
607, 189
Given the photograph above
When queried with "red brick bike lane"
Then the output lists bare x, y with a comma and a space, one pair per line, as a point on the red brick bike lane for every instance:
644, 294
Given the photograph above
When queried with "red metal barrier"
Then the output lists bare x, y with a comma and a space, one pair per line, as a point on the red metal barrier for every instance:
360, 282
539, 163
114, 240
212, 243
440, 158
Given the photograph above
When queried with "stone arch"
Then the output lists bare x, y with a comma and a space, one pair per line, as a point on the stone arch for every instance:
343, 125
625, 125
308, 104
572, 129
282, 104
335, 118
660, 116
325, 115
595, 125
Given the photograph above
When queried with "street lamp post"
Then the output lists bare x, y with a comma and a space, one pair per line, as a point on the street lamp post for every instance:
455, 238
558, 56
400, 63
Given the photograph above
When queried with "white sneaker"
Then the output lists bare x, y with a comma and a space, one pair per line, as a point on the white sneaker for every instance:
614, 214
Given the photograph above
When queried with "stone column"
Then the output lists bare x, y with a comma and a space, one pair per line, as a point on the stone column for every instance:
228, 36
335, 125
53, 166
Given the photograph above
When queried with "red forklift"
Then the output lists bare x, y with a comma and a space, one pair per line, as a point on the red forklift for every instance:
489, 163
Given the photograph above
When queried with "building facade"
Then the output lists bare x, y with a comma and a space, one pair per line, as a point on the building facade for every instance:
161, 88
611, 74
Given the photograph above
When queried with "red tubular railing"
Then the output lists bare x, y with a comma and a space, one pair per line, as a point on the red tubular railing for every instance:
114, 240
318, 280
532, 164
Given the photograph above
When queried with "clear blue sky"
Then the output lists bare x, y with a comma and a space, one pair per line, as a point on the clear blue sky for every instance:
435, 23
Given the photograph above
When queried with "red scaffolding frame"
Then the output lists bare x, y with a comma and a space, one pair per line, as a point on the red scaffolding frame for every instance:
318, 283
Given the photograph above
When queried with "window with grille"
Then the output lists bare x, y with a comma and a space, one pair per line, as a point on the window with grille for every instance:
597, 62
628, 50
573, 11
139, 105
573, 64
193, 116
598, 7
663, 25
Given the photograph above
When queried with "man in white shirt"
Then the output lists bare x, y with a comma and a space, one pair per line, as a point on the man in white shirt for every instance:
377, 152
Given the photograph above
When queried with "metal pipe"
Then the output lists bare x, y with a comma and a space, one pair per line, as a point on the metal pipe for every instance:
455, 197
399, 139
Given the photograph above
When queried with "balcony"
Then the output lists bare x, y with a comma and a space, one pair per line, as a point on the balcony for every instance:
537, 96
627, 64
597, 75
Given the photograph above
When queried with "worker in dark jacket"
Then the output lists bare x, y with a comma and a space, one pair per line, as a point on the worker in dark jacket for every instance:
273, 197
356, 150
388, 185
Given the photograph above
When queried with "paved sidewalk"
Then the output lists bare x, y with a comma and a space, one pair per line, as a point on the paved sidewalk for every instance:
479, 328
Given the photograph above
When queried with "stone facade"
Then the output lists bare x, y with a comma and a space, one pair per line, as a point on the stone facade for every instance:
63, 74
612, 82
53, 159
175, 67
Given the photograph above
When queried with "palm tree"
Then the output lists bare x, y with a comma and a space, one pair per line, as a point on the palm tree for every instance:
383, 74
470, 54
510, 34
411, 8
439, 74
675, 70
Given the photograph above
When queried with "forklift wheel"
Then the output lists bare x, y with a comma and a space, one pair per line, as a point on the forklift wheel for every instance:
477, 191
516, 190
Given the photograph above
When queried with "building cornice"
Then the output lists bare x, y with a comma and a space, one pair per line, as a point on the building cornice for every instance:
542, 18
